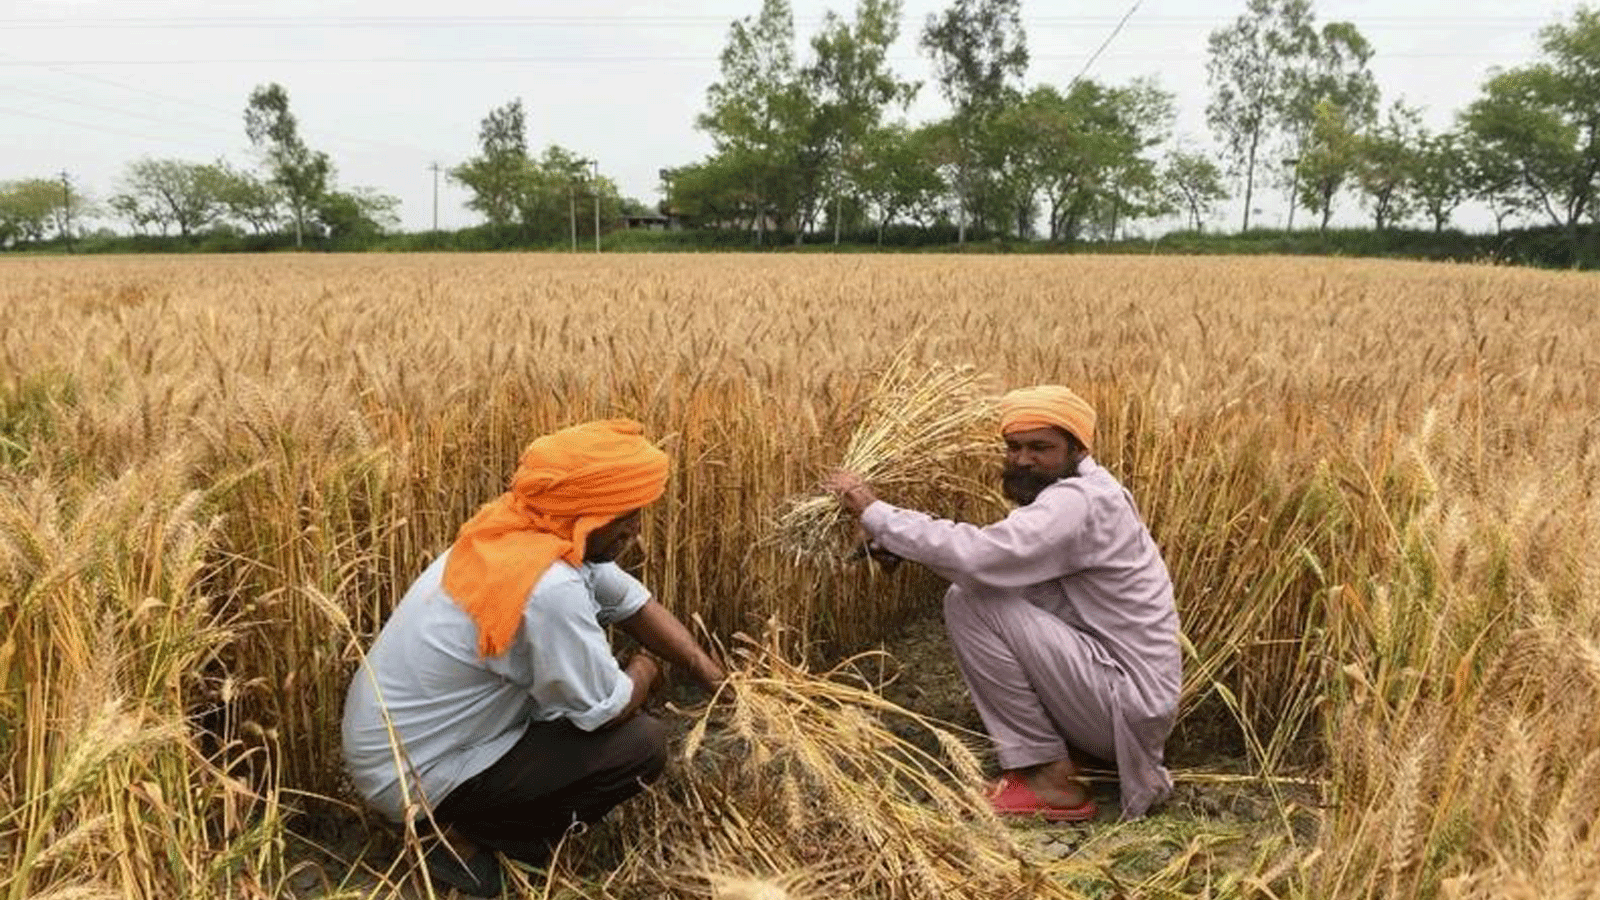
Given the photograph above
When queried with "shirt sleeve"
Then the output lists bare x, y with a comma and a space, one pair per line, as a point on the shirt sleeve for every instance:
1031, 545
564, 657
619, 594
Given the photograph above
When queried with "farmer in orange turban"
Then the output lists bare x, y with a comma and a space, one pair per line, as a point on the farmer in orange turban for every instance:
492, 699
1061, 614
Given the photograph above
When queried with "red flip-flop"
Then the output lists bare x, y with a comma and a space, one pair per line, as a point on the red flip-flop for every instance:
1013, 797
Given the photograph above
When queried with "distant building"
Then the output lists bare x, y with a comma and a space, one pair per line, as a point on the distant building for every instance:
651, 222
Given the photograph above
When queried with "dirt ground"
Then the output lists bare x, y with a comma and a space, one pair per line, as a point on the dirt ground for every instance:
1216, 803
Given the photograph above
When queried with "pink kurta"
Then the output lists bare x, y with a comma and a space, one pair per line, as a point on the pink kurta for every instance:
1062, 618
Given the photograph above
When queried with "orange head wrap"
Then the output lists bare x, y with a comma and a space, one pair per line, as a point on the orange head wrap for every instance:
567, 484
1044, 406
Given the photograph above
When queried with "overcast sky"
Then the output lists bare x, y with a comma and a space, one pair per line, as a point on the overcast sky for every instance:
389, 87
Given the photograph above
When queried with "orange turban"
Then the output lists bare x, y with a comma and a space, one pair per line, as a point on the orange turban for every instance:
567, 484
1044, 406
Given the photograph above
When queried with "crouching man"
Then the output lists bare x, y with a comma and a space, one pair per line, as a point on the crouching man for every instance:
1061, 614
492, 696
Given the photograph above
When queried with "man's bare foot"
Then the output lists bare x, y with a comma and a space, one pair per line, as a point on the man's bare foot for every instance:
1056, 783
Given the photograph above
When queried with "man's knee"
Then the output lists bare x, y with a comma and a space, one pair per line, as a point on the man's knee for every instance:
648, 746
957, 606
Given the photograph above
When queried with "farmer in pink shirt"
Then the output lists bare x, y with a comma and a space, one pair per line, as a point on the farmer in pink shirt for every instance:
1061, 614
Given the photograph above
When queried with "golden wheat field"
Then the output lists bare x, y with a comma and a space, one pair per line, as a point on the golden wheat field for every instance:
1374, 483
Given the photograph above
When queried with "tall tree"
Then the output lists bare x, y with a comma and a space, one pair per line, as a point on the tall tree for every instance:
979, 49
1331, 69
1251, 63
1441, 177
1546, 117
1386, 164
496, 175
1328, 160
1194, 185
1494, 177
853, 84
761, 117
302, 173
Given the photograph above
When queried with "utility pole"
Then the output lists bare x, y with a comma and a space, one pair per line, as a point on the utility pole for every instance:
572, 213
596, 182
66, 208
435, 168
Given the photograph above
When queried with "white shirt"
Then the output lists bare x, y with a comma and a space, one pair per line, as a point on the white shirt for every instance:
454, 713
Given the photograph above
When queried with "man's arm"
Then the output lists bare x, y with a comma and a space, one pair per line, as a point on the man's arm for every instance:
644, 673
660, 632
1023, 548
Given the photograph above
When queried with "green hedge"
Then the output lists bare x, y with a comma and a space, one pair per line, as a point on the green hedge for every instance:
1541, 247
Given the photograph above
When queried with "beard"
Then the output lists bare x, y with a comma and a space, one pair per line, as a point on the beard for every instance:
1022, 486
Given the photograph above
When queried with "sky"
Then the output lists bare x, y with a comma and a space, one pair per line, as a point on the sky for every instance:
392, 88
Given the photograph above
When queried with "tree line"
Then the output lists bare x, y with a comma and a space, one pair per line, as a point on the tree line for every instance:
813, 141
293, 193
820, 141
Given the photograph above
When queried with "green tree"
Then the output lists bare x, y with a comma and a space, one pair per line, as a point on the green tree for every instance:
1251, 64
556, 198
713, 193
1328, 160
355, 215
900, 175
1494, 177
762, 119
248, 199
1386, 165
1546, 118
170, 193
1091, 153
28, 208
1332, 69
496, 175
1441, 177
303, 174
979, 49
853, 86
1193, 184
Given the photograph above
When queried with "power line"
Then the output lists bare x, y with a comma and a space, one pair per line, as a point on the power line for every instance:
91, 127
1434, 22
160, 120
1107, 42
6, 60
552, 59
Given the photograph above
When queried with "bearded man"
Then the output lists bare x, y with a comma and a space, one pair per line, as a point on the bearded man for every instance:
491, 703
1061, 614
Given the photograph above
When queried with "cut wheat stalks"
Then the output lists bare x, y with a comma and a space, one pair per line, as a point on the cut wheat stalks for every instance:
817, 772
921, 421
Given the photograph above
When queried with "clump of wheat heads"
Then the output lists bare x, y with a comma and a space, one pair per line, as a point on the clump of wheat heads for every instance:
920, 422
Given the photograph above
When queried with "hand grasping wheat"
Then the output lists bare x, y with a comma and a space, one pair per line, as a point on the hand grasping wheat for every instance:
920, 421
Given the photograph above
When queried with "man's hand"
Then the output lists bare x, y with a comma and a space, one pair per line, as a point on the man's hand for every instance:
886, 560
851, 491
659, 631
644, 672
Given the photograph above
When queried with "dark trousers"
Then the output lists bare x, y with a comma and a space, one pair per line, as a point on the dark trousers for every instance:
555, 775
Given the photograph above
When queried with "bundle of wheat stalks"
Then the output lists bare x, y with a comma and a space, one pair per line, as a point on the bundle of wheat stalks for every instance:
920, 421
795, 785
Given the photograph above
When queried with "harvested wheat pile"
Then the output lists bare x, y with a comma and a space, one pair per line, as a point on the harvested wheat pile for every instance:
797, 785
